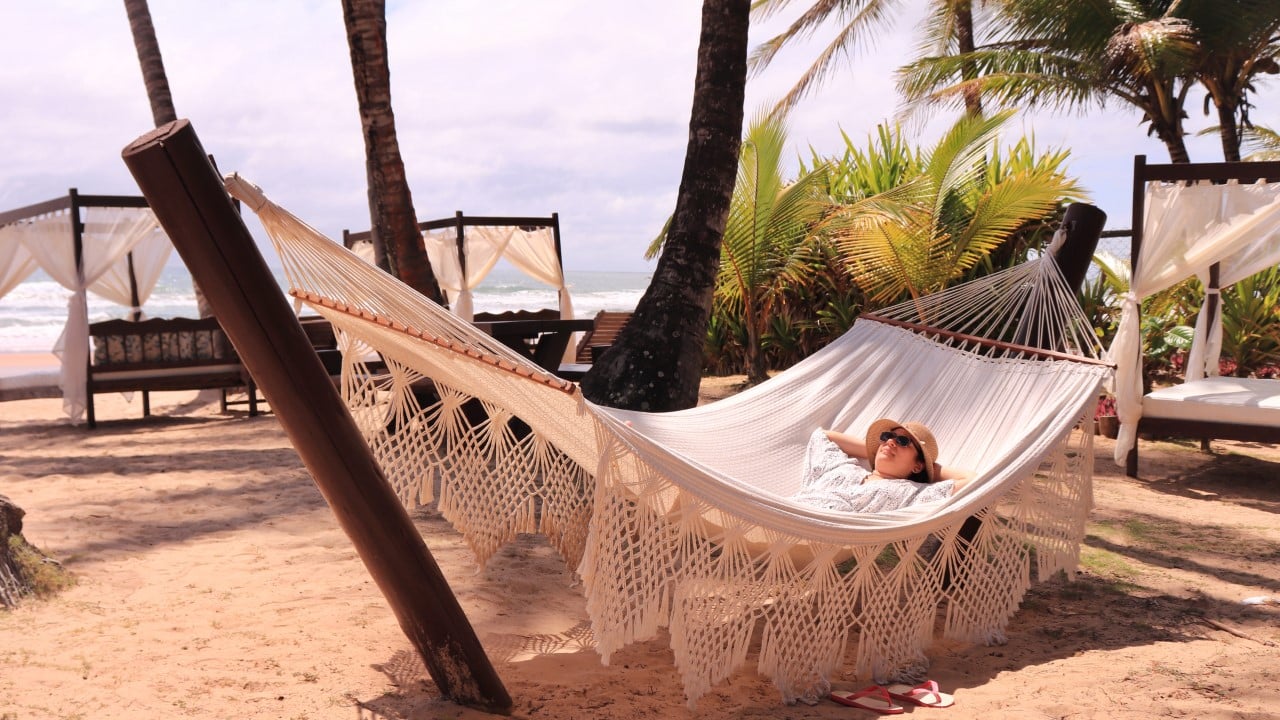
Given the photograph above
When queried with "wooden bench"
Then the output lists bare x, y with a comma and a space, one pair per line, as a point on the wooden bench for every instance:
163, 354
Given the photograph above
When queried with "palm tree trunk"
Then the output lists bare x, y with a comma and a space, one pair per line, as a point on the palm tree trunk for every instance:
756, 372
1229, 131
397, 242
656, 364
1177, 146
156, 82
963, 14
153, 75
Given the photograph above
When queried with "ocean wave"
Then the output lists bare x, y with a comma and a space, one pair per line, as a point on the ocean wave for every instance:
32, 314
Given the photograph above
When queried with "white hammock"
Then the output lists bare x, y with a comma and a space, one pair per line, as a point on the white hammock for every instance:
682, 520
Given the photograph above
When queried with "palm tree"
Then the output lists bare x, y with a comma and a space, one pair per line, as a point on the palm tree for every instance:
153, 75
764, 247
656, 363
1238, 41
397, 242
1261, 142
156, 82
956, 207
1071, 56
950, 30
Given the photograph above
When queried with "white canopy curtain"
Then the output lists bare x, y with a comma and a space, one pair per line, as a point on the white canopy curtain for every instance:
1186, 229
532, 252
108, 235
16, 263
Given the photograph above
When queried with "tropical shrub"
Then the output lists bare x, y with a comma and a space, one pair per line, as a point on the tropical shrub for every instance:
1251, 323
951, 208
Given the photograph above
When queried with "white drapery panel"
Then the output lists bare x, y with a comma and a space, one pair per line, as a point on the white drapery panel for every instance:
442, 251
16, 262
150, 253
534, 254
1188, 228
108, 236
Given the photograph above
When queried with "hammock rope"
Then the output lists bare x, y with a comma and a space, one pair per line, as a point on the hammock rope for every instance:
683, 520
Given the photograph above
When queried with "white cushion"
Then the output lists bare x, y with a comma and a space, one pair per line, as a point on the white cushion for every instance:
1245, 401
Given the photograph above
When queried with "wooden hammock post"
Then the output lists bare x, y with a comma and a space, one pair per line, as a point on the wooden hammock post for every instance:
174, 173
1084, 225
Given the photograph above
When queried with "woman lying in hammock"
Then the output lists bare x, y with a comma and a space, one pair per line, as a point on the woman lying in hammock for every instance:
895, 467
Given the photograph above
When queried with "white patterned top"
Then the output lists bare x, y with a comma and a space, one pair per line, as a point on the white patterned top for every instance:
834, 481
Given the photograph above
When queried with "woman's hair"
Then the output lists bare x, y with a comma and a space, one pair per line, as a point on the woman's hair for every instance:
922, 475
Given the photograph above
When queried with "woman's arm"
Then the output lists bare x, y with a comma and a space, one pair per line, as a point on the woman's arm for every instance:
854, 447
961, 477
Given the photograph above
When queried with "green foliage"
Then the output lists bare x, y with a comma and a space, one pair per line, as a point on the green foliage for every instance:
952, 207
1251, 323
802, 259
764, 250
1100, 295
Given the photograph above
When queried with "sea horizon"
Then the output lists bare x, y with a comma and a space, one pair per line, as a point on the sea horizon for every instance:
33, 314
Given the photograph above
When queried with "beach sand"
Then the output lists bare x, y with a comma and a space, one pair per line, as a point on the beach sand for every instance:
214, 582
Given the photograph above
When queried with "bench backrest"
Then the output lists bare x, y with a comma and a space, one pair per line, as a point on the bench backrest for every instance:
157, 343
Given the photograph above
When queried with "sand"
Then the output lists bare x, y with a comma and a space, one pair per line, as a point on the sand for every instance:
214, 582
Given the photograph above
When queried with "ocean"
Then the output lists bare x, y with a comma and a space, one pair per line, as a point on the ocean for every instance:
33, 313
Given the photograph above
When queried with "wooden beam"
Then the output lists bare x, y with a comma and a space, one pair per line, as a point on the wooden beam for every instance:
187, 195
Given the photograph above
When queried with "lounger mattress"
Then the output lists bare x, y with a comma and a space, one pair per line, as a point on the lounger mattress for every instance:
1245, 401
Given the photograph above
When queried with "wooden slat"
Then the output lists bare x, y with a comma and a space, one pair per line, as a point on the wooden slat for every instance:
996, 344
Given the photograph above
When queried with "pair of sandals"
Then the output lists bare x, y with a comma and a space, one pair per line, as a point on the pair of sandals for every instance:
878, 698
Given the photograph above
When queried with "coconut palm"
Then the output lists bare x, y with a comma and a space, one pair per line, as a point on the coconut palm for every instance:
156, 82
1073, 56
1262, 143
656, 362
953, 212
949, 29
397, 242
153, 74
1238, 41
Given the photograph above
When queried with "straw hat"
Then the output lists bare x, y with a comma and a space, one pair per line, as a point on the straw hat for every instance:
917, 432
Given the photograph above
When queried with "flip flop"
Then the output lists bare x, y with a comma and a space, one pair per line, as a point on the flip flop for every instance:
925, 694
874, 698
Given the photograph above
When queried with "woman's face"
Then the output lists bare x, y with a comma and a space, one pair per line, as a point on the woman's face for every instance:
895, 461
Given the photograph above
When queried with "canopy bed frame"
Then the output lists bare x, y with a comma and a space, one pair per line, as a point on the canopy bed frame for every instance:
459, 224
1246, 409
106, 244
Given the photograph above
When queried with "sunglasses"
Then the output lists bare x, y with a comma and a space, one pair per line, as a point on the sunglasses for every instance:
890, 436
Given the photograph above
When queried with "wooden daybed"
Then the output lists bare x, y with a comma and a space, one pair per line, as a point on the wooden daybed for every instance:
1226, 408
163, 354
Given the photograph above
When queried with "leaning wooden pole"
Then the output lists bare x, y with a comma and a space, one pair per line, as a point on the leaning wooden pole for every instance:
183, 188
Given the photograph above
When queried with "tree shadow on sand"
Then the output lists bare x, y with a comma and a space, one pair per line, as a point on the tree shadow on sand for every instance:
1226, 474
1058, 620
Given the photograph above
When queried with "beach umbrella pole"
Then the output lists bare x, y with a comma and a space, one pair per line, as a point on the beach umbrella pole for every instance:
185, 191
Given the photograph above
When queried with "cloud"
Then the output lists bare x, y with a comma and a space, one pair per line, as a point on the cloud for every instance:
573, 106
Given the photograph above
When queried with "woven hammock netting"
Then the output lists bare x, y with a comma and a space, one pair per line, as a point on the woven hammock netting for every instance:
683, 520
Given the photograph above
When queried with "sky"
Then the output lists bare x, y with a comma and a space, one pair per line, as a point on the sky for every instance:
507, 107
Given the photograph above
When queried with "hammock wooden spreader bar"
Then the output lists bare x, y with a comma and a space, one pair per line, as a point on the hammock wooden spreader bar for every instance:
985, 342
501, 363
187, 194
